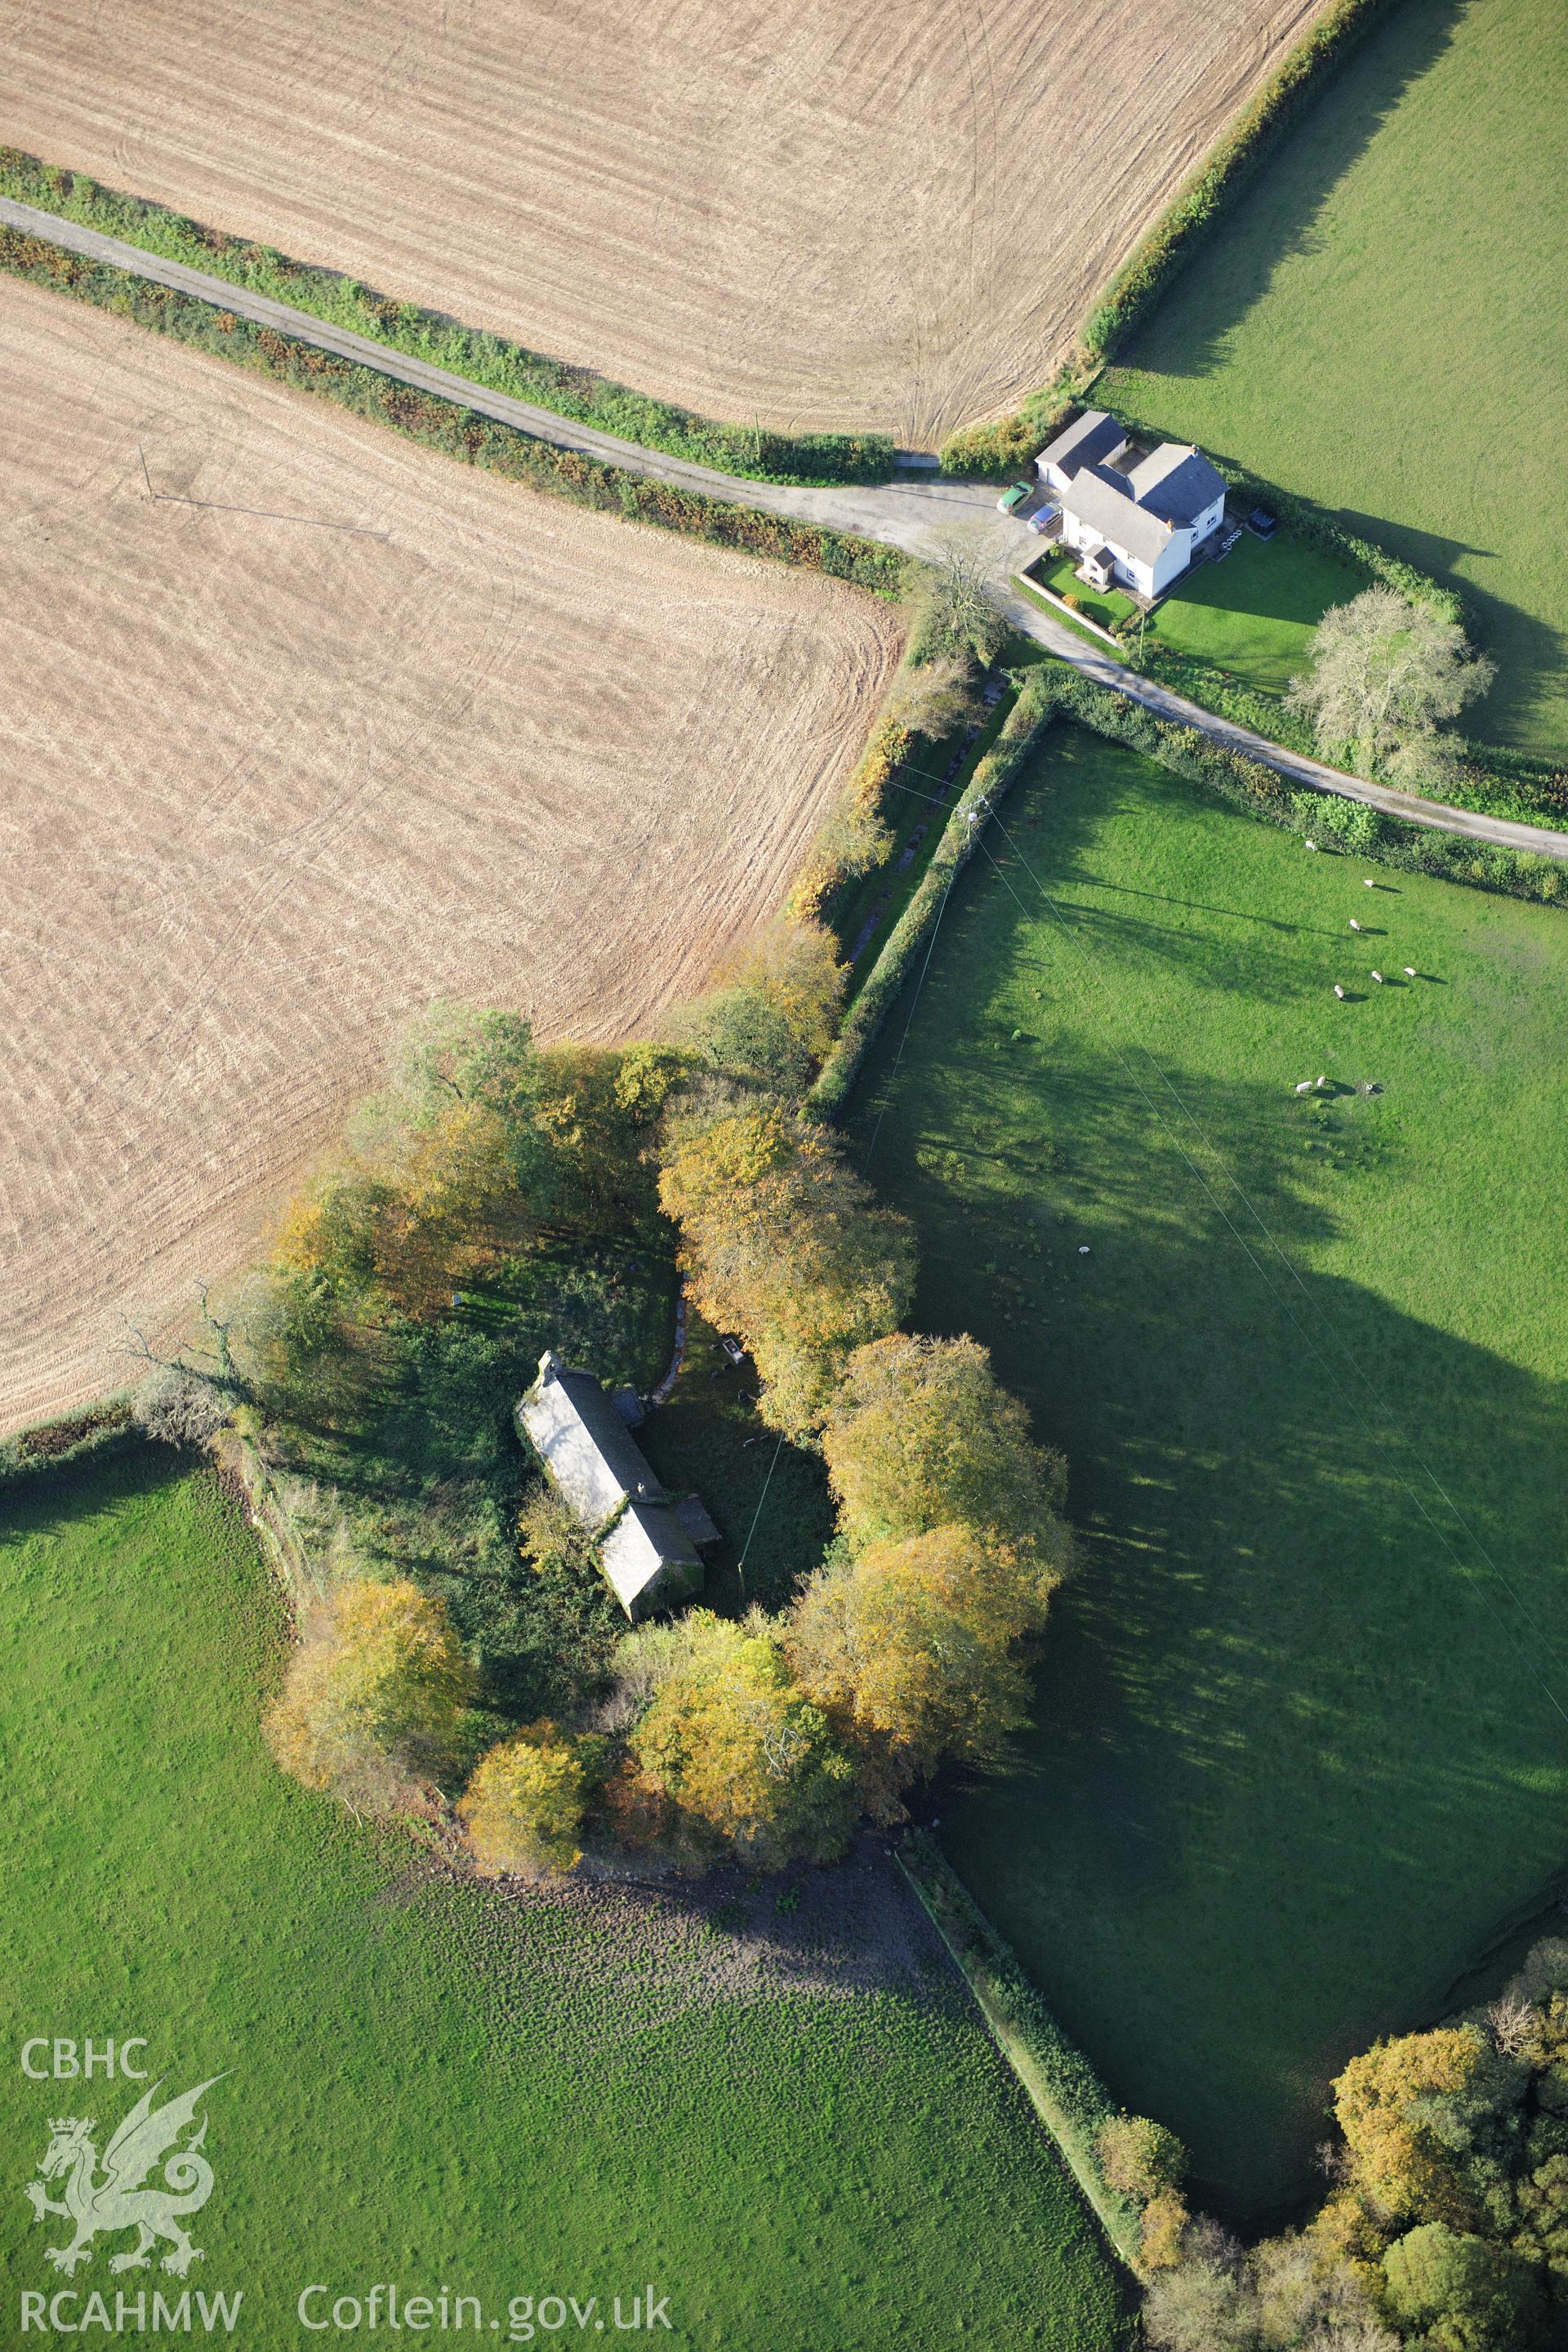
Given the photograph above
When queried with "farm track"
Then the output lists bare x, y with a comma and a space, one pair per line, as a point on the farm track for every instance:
917, 516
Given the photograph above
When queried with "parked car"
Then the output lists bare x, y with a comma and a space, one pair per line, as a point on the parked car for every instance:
1044, 520
1261, 523
1014, 496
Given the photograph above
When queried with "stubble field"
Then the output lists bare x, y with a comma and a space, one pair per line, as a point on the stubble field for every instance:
276, 783
888, 218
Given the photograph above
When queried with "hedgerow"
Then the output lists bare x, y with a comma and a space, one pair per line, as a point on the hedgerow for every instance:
1248, 783
1067, 2093
487, 358
996, 448
51, 1446
1227, 170
442, 424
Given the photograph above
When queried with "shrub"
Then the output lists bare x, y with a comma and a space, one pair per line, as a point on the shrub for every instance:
372, 1696
179, 1408
523, 1807
773, 1015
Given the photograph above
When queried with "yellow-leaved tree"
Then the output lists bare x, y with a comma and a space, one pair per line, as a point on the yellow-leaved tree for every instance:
783, 1244
372, 1695
912, 1651
921, 1436
725, 1736
523, 1807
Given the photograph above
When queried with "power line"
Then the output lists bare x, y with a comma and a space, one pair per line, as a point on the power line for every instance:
756, 1514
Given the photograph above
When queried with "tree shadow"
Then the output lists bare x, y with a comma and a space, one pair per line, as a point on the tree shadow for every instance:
1240, 261
1302, 1734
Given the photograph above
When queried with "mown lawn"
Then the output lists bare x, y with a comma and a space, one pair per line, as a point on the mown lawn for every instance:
1106, 605
1301, 1744
1380, 326
427, 2083
1254, 612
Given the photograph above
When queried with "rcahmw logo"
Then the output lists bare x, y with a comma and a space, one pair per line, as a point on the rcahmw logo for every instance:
153, 2177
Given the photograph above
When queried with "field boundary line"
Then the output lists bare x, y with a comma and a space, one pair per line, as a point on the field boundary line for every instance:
1026, 2034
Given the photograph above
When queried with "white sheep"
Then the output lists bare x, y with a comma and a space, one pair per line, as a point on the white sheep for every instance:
1305, 1088
1378, 977
1338, 992
1322, 1082
1311, 844
1354, 925
1410, 972
1367, 883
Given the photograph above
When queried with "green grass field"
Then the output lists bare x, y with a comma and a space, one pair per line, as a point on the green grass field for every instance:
1299, 1749
1380, 326
1106, 605
1253, 614
426, 2083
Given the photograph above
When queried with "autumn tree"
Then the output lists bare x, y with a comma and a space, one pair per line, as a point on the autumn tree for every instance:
1145, 2163
912, 1650
742, 1754
1385, 674
955, 614
372, 1695
1387, 2105
775, 1012
921, 1434
523, 1807
782, 1244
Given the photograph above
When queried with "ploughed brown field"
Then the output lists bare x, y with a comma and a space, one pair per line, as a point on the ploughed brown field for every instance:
272, 784
821, 216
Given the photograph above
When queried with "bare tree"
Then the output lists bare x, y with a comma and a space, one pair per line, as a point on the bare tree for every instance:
173, 1385
1385, 672
959, 615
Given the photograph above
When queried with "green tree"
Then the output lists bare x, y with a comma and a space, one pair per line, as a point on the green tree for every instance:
1467, 2295
523, 1807
736, 1747
372, 1696
921, 1434
1385, 672
774, 1012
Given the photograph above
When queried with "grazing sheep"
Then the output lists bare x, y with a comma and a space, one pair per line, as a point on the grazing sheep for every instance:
1305, 1088
1367, 883
1354, 925
1378, 977
1322, 1082
1338, 992
1410, 972
1311, 844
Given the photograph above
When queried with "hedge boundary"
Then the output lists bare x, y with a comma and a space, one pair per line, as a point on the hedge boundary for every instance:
442, 424
1248, 784
863, 1023
66, 1439
1202, 200
494, 361
1059, 2081
1299, 78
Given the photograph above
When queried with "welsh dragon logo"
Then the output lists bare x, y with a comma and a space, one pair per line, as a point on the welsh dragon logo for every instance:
116, 2199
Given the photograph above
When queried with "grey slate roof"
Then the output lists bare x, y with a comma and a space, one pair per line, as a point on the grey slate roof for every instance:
1114, 513
1176, 482
1092, 436
589, 1452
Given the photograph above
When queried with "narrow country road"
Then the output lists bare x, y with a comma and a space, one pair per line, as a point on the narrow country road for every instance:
919, 516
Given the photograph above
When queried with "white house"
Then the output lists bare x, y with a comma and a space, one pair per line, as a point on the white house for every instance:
647, 1545
1137, 525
